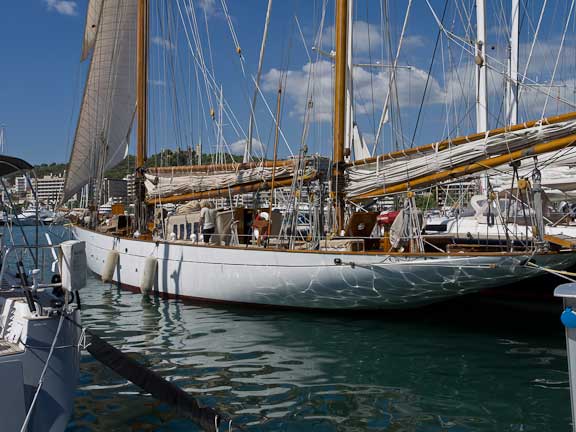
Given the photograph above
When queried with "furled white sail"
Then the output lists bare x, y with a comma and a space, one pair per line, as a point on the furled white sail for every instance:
367, 178
169, 185
91, 28
109, 100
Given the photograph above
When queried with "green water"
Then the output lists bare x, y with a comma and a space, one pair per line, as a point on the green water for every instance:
458, 368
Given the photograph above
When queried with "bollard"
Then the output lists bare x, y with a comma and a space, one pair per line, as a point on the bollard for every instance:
568, 293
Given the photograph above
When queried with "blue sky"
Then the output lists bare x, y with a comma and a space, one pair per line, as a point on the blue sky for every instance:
39, 69
41, 77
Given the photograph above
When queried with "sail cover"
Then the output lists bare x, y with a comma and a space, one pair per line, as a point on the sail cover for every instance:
377, 176
161, 185
109, 101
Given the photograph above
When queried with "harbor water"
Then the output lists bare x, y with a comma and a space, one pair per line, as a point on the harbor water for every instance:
461, 367
473, 365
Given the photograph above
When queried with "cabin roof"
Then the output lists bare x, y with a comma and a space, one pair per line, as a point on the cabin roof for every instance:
10, 165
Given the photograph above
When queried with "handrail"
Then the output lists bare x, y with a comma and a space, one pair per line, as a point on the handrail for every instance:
10, 249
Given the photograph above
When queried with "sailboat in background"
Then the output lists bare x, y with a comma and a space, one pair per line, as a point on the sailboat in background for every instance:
348, 267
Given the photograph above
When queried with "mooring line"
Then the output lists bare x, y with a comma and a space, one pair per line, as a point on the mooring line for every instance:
151, 382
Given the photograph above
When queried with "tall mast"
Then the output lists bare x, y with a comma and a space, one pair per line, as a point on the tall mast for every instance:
142, 82
349, 123
141, 110
339, 112
481, 70
248, 147
513, 69
481, 78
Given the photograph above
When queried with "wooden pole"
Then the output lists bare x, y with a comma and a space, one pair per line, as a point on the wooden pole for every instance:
234, 166
339, 112
141, 111
142, 82
276, 134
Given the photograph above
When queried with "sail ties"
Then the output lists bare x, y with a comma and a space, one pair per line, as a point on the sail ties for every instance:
363, 179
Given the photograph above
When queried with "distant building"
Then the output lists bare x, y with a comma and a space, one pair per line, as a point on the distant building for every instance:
49, 188
115, 191
130, 187
22, 186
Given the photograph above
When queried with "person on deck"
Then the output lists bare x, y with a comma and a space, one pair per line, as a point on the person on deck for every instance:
207, 220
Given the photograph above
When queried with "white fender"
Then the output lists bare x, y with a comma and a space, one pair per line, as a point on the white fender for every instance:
73, 265
148, 277
110, 266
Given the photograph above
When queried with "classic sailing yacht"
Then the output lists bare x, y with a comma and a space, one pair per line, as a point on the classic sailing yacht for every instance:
350, 268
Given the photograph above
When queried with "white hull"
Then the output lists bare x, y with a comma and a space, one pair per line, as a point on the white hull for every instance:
468, 226
307, 279
24, 348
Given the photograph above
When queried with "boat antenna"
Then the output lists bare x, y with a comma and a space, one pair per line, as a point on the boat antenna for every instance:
141, 110
339, 113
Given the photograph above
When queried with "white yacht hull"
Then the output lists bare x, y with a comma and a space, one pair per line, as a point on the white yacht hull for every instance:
307, 279
469, 227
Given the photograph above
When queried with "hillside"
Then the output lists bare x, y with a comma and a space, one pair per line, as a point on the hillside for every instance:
164, 158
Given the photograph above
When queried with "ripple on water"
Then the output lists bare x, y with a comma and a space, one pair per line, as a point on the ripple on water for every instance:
305, 372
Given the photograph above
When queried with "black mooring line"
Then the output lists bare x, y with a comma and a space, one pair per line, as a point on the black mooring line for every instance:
205, 417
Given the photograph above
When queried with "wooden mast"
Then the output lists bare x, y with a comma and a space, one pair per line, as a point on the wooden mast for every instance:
141, 109
339, 112
272, 184
142, 82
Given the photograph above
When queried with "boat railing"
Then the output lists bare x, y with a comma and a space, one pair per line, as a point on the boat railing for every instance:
39, 260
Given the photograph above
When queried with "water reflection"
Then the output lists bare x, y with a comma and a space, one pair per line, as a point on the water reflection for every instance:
299, 372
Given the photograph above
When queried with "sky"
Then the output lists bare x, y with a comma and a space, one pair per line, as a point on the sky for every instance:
41, 76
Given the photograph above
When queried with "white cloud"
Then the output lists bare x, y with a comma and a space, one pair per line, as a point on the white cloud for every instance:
164, 43
366, 36
414, 41
209, 6
367, 85
64, 7
237, 147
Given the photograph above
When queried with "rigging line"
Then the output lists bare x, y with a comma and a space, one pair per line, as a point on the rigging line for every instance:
208, 40
200, 63
168, 54
448, 99
429, 74
43, 374
310, 87
302, 38
210, 81
234, 36
467, 46
248, 147
393, 74
373, 119
568, 18
272, 114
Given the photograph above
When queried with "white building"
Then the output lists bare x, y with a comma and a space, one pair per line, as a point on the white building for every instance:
49, 189
21, 186
130, 187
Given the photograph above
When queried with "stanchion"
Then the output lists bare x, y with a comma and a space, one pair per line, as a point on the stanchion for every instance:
568, 293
